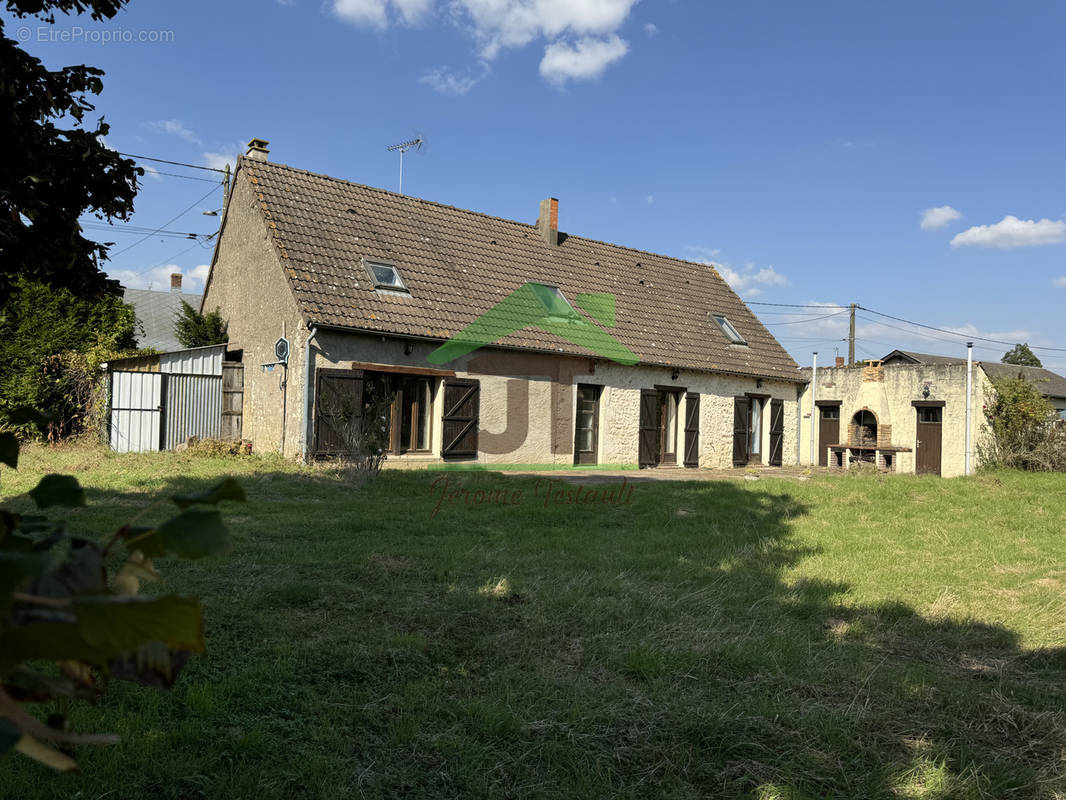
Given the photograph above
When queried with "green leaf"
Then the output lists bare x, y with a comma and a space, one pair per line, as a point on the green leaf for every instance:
194, 533
9, 450
58, 490
48, 756
47, 641
15, 570
9, 735
228, 489
119, 624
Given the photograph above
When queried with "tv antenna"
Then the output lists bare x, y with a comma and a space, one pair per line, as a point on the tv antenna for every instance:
403, 147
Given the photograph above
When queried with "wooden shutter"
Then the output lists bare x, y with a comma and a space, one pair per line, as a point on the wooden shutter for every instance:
648, 455
462, 408
692, 430
338, 411
741, 410
777, 431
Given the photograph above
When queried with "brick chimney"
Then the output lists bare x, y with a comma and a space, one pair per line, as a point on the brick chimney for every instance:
840, 361
175, 281
548, 221
257, 149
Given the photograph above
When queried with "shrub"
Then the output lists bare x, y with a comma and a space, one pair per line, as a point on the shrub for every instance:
1023, 429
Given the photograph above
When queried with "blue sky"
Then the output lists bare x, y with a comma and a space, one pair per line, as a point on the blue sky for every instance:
796, 145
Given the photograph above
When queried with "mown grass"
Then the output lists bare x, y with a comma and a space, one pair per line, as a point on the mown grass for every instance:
856, 637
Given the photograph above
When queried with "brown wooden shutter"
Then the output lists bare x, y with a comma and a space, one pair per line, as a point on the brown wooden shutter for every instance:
741, 410
462, 409
338, 411
777, 431
692, 430
648, 455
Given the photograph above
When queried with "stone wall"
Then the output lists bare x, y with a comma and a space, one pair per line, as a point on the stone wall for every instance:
889, 392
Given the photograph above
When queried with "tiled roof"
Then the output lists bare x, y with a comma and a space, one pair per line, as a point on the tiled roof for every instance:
458, 264
910, 357
1049, 383
156, 314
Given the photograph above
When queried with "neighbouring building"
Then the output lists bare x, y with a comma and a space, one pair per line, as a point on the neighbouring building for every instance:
905, 412
157, 312
497, 341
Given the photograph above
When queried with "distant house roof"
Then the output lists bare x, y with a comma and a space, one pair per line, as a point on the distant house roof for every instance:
156, 313
1050, 383
909, 357
459, 264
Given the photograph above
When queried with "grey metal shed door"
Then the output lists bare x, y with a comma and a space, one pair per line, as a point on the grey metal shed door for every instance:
136, 411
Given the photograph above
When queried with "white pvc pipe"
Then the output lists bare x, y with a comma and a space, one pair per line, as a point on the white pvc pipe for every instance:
969, 401
308, 375
814, 400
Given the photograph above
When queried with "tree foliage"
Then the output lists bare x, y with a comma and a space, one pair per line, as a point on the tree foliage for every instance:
194, 329
60, 603
1022, 356
55, 168
1023, 429
52, 343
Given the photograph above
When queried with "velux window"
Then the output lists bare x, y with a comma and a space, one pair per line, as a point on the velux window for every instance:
731, 333
557, 306
385, 276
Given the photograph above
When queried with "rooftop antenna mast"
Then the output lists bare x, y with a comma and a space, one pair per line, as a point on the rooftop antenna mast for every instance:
403, 147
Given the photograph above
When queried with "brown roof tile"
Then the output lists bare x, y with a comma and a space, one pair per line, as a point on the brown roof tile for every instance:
459, 264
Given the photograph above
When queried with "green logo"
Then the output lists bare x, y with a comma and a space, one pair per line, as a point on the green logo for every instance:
534, 305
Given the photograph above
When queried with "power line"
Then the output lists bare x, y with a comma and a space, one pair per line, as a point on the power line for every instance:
803, 321
964, 336
186, 177
174, 163
795, 305
164, 225
141, 231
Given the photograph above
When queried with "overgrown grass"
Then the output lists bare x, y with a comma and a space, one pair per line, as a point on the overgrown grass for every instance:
841, 637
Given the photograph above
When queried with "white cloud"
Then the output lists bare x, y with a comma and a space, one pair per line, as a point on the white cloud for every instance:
1060, 282
1012, 232
152, 172
580, 35
444, 81
158, 278
584, 59
174, 127
747, 281
377, 13
218, 159
651, 29
933, 218
651, 199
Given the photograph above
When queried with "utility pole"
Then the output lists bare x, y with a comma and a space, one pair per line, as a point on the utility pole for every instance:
851, 337
225, 190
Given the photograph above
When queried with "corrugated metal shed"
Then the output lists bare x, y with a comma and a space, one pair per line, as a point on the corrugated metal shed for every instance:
159, 401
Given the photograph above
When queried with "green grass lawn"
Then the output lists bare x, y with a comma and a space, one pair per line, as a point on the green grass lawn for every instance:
839, 637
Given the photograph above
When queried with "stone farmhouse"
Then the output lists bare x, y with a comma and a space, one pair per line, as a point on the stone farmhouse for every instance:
498, 342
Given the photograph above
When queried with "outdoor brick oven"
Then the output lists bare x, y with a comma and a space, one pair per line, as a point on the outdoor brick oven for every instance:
869, 437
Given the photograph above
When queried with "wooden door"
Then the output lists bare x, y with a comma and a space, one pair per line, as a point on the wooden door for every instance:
338, 411
668, 424
462, 413
587, 425
648, 455
232, 400
928, 441
692, 430
828, 432
741, 420
777, 432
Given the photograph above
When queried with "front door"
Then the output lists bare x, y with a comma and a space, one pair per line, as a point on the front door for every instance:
586, 428
828, 432
755, 431
928, 440
668, 410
